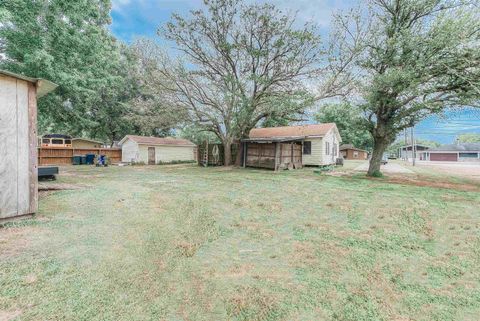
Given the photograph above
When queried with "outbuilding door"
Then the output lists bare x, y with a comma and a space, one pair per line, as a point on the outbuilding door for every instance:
443, 157
151, 155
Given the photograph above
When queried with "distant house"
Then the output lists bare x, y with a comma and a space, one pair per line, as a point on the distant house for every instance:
84, 143
348, 151
469, 152
292, 146
154, 150
406, 152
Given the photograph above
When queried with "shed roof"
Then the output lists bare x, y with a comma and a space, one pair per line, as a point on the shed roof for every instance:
148, 140
466, 147
87, 140
350, 146
43, 86
292, 131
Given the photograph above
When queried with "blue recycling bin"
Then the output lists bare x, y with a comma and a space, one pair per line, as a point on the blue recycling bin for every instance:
90, 159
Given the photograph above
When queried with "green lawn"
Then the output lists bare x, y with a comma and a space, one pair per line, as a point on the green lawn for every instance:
188, 243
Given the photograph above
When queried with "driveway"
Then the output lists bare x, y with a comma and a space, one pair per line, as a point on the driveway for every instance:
465, 169
389, 168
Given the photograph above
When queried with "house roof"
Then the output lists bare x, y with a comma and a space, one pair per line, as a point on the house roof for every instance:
292, 131
145, 140
467, 147
273, 139
43, 86
350, 146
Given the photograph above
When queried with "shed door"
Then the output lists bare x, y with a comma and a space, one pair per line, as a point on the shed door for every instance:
151, 155
443, 157
14, 148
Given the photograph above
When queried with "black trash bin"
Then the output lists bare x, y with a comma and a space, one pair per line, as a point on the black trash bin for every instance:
90, 159
76, 160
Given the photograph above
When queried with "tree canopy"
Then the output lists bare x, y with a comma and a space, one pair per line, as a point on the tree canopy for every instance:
350, 122
68, 42
243, 63
469, 138
415, 58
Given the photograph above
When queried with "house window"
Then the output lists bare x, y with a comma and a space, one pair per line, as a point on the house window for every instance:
355, 154
327, 148
469, 155
307, 148
335, 150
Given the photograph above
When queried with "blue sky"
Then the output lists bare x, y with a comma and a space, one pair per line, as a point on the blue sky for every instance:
142, 18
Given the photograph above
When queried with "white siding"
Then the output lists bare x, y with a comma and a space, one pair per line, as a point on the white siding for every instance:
168, 153
130, 152
328, 157
319, 154
315, 158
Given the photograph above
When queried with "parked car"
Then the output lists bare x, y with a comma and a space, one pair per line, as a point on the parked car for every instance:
384, 159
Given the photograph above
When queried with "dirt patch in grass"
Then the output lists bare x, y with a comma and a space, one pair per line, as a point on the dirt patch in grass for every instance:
13, 240
252, 304
9, 315
422, 182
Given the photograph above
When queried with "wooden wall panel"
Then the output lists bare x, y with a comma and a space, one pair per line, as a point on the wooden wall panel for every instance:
32, 147
8, 147
23, 157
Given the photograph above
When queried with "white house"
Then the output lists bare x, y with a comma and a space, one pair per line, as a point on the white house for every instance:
320, 141
466, 152
154, 150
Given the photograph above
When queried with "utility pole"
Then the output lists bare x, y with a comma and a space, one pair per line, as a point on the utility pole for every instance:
413, 146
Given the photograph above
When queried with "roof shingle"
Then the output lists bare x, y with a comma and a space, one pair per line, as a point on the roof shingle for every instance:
159, 140
292, 131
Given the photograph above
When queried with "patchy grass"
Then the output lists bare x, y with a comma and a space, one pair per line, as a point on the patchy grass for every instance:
189, 243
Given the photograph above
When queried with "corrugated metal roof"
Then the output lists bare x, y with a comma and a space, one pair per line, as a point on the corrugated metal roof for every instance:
292, 131
466, 147
145, 140
43, 86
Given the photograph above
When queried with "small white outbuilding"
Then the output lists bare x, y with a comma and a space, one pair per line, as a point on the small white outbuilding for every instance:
155, 150
18, 143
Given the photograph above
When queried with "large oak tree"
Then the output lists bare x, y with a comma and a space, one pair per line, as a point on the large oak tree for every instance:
68, 42
242, 64
416, 58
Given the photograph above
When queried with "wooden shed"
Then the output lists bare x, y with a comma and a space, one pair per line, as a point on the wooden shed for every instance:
156, 150
18, 143
273, 153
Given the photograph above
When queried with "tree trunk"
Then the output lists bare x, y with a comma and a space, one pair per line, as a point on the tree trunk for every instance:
238, 159
380, 145
227, 153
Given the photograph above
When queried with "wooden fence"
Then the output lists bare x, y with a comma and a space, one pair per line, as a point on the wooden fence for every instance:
63, 156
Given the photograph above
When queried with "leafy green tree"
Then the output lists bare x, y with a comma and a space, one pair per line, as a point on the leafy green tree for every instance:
244, 63
197, 135
469, 138
68, 42
350, 121
414, 59
150, 112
